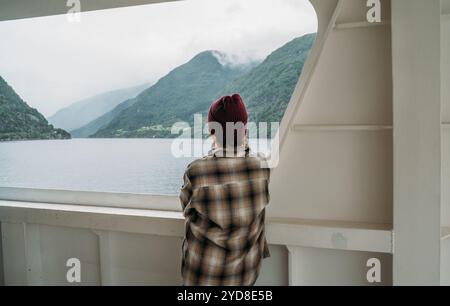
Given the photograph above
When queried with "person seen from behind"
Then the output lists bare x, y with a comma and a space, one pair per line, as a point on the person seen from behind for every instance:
223, 200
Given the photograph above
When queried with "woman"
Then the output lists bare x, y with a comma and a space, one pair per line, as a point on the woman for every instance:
224, 198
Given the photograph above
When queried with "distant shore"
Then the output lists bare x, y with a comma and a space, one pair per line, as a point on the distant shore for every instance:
9, 139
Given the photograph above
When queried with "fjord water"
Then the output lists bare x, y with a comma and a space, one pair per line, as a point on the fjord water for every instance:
110, 165
106, 165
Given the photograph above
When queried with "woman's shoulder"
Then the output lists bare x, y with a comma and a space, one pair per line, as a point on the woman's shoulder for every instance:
252, 159
260, 158
197, 163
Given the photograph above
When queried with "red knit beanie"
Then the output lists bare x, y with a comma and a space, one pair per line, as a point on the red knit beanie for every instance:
227, 109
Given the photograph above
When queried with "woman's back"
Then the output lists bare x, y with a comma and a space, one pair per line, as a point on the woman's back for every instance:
224, 200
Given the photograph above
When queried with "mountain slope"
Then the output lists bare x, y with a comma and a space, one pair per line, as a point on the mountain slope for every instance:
92, 127
82, 112
18, 121
267, 88
188, 89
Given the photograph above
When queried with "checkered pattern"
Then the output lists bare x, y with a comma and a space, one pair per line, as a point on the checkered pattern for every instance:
224, 200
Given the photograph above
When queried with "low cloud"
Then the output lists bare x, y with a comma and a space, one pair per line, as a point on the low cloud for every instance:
52, 63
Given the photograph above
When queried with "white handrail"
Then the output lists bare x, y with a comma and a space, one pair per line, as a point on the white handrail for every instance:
20, 9
290, 232
91, 198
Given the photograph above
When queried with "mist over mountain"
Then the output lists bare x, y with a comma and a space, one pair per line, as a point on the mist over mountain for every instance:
18, 121
82, 112
266, 88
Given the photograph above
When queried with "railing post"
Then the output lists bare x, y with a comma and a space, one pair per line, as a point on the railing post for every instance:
417, 141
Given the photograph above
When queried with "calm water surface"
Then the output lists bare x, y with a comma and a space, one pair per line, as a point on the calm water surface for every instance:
116, 165
110, 165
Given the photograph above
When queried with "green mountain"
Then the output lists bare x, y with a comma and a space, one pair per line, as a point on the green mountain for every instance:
82, 112
186, 90
18, 121
191, 88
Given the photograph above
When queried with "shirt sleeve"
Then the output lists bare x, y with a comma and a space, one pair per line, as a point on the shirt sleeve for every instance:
186, 191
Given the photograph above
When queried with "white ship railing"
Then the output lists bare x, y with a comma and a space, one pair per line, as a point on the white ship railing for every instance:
154, 219
27, 214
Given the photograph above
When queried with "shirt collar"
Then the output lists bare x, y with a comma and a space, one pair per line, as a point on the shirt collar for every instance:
229, 152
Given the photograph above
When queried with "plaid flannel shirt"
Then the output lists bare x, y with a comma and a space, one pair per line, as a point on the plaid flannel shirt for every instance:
224, 200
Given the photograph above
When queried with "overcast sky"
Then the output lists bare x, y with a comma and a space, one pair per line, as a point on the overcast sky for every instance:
52, 63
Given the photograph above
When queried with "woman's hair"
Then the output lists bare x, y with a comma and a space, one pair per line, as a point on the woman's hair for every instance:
239, 141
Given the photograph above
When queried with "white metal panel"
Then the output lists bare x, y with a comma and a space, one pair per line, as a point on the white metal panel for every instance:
319, 267
445, 7
340, 173
445, 261
352, 82
417, 141
445, 68
445, 117
334, 175
57, 245
14, 253
37, 254
33, 255
445, 209
137, 259
274, 270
